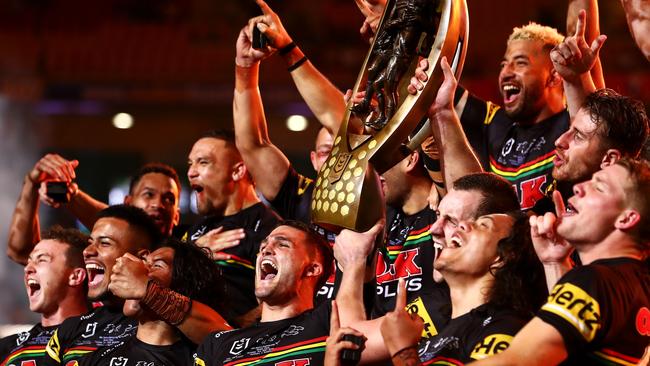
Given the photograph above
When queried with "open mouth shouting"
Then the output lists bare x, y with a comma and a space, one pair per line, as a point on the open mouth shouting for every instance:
511, 93
268, 270
33, 287
95, 274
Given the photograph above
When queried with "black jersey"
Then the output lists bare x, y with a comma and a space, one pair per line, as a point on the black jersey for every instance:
293, 201
601, 310
434, 307
295, 341
80, 335
521, 154
409, 254
239, 271
25, 348
483, 332
137, 353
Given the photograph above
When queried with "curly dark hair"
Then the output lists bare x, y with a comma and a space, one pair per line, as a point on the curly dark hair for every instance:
137, 218
322, 246
195, 274
621, 121
75, 239
160, 168
519, 281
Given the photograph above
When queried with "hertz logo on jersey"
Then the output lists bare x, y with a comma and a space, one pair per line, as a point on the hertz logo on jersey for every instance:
417, 307
491, 345
574, 305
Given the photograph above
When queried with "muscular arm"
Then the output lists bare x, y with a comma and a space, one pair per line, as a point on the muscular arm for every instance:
24, 230
456, 155
538, 343
592, 31
637, 13
201, 321
266, 163
321, 96
85, 208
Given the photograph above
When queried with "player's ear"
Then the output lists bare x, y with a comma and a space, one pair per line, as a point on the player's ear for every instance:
239, 171
610, 157
314, 269
77, 277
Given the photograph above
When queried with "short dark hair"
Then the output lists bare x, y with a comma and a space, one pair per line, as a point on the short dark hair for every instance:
75, 239
160, 168
137, 218
638, 193
621, 121
519, 281
322, 246
498, 194
225, 134
195, 274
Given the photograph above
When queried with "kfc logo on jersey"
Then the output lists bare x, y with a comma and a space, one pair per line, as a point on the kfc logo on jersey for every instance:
300, 362
118, 361
239, 346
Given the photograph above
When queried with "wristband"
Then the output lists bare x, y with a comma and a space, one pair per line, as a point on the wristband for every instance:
297, 64
286, 49
170, 306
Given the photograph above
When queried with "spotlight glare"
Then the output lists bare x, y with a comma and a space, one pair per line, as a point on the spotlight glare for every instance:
297, 123
123, 121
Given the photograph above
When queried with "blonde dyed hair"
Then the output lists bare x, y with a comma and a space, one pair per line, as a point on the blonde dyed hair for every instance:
537, 32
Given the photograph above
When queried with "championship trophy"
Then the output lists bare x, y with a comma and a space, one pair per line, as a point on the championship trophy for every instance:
347, 193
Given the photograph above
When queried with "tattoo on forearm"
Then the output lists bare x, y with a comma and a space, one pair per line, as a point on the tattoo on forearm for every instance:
407, 357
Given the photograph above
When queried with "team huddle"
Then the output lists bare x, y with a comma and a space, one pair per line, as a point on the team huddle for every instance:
516, 234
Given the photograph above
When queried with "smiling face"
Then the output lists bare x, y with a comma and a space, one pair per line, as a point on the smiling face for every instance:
472, 246
456, 206
157, 194
524, 78
210, 172
595, 207
284, 266
110, 239
46, 276
159, 263
580, 150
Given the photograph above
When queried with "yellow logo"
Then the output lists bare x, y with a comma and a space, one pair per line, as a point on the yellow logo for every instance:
53, 347
199, 362
303, 184
575, 306
491, 111
491, 345
417, 307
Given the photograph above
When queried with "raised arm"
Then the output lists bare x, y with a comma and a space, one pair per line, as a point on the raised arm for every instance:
573, 59
321, 96
24, 231
592, 31
637, 13
355, 255
266, 163
456, 155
